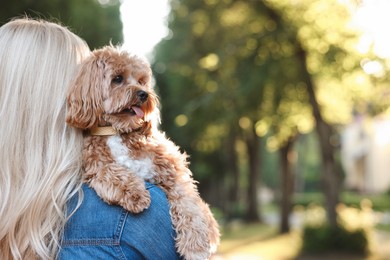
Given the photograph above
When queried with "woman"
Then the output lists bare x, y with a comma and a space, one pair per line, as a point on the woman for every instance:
40, 184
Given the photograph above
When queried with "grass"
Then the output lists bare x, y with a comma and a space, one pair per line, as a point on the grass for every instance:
380, 202
258, 241
262, 242
383, 227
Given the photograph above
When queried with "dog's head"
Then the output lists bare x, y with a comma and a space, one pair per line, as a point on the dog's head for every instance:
113, 88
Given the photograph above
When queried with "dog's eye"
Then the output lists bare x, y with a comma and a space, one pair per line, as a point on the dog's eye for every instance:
142, 81
117, 79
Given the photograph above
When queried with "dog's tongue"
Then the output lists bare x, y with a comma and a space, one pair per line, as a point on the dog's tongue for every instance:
138, 111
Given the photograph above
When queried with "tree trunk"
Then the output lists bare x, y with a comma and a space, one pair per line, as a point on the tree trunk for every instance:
287, 183
233, 182
331, 176
253, 148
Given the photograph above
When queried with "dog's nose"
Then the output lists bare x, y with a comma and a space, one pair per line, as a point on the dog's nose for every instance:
142, 95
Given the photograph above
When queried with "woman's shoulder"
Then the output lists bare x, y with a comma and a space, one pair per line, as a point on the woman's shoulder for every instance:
96, 218
151, 232
93, 221
96, 224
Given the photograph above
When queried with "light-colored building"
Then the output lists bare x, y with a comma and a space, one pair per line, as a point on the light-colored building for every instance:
365, 154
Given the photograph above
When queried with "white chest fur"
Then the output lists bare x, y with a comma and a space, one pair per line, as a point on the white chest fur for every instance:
142, 167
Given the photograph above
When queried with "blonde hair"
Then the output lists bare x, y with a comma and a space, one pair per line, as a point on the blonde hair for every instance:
39, 155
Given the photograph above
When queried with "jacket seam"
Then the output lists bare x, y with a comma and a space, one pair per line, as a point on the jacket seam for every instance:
90, 242
119, 231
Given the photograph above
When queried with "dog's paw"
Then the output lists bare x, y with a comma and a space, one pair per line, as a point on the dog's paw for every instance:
193, 245
136, 201
196, 256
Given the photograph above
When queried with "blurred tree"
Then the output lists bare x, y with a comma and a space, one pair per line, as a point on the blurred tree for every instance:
97, 22
234, 73
325, 55
287, 184
219, 85
233, 63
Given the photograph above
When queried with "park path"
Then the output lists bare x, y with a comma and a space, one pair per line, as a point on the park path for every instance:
380, 246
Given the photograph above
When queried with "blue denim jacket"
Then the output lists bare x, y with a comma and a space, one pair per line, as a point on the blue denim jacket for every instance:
101, 231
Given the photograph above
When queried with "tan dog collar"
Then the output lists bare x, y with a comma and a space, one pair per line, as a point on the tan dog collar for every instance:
103, 131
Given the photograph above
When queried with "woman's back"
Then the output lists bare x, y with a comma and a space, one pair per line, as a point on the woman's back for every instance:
101, 231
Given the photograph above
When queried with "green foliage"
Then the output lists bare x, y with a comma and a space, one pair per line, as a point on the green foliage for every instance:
308, 163
218, 215
349, 235
232, 71
383, 227
380, 202
307, 198
236, 68
96, 23
270, 166
330, 239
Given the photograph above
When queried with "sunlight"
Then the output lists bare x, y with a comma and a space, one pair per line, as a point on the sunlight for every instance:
372, 67
181, 120
144, 24
373, 17
209, 62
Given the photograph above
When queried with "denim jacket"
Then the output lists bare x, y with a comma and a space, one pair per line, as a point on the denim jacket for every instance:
101, 231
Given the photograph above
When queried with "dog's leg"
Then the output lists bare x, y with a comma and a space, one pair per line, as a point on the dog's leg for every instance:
196, 229
115, 185
213, 226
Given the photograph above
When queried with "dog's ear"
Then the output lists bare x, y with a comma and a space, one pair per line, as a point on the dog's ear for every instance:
85, 100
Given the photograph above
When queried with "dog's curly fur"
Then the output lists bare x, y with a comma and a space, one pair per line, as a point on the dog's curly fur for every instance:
113, 88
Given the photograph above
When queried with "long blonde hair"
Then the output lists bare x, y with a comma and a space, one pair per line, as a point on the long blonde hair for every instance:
39, 154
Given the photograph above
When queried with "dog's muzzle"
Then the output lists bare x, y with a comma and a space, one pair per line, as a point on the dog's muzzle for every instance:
142, 95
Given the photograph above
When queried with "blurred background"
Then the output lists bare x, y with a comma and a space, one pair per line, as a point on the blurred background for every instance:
282, 105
